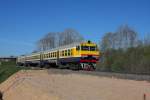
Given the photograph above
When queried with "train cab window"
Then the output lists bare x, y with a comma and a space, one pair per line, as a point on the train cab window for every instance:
77, 48
85, 48
92, 48
65, 52
68, 52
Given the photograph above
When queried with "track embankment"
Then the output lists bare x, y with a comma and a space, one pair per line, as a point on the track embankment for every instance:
54, 84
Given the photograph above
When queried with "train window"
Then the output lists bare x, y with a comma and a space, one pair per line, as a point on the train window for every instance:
92, 48
68, 52
65, 52
45, 55
77, 48
85, 48
55, 54
49, 55
52, 55
59, 53
62, 53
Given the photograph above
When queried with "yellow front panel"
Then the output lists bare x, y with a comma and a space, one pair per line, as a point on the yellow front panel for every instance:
76, 53
89, 52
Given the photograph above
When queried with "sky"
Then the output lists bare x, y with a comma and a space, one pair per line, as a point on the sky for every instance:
24, 22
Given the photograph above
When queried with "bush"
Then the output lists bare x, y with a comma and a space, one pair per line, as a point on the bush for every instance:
132, 60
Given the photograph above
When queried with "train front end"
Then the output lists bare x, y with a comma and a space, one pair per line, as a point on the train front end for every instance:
89, 54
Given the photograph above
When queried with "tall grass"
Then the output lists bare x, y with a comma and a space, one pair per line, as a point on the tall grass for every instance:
7, 69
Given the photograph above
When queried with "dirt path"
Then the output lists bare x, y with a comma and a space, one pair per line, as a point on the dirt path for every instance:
49, 85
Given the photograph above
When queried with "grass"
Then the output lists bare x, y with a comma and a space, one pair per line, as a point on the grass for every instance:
7, 69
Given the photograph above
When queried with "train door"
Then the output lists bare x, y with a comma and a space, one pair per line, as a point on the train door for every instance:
57, 59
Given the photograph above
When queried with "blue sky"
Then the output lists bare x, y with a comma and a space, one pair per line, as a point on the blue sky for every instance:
23, 22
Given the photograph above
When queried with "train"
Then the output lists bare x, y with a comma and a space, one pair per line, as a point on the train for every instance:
76, 56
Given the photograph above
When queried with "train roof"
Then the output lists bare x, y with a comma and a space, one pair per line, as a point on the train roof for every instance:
61, 47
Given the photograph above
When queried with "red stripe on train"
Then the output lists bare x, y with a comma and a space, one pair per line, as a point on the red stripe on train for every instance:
89, 55
85, 60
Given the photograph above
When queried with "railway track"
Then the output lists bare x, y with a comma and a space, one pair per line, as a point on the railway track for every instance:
101, 74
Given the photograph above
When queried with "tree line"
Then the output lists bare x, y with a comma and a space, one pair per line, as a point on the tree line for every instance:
124, 51
56, 39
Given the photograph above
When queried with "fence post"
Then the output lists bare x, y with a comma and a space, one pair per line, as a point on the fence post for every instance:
1, 95
144, 96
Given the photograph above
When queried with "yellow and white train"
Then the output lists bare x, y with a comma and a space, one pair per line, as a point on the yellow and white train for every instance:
74, 56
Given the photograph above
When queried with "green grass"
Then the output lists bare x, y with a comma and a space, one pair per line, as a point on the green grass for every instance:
7, 69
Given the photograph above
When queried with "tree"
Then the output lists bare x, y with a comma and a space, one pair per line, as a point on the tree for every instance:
55, 39
69, 36
47, 42
147, 39
125, 37
107, 41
